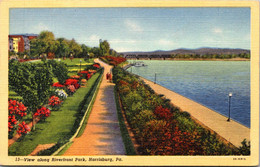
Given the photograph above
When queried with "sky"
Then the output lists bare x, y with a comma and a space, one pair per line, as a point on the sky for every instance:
139, 29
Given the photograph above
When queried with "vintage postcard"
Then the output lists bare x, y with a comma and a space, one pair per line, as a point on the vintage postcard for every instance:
129, 83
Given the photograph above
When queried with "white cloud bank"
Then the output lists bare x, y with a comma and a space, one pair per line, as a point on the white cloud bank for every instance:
40, 27
217, 30
133, 26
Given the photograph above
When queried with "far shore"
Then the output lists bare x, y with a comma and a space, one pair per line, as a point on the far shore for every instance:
190, 59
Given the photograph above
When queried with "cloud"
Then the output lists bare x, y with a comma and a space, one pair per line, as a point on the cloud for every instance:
40, 27
165, 42
94, 38
133, 26
119, 41
217, 30
247, 37
123, 49
89, 40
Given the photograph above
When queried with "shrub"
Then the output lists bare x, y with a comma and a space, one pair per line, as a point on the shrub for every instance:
130, 99
85, 74
54, 102
139, 121
97, 65
59, 70
71, 89
152, 136
186, 124
113, 60
17, 111
163, 113
73, 82
57, 85
11, 125
17, 108
166, 130
23, 129
42, 113
61, 94
31, 81
245, 148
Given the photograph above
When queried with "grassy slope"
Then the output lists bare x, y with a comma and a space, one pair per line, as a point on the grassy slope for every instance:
76, 61
57, 126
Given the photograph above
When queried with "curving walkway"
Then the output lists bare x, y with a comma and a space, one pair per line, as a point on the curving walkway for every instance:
232, 131
102, 134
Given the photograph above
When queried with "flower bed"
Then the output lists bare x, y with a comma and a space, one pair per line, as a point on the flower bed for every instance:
62, 123
159, 127
51, 99
113, 60
17, 111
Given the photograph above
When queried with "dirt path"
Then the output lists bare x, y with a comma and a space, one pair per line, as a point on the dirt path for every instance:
41, 147
232, 131
102, 134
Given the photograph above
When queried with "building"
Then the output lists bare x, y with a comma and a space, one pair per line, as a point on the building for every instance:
20, 42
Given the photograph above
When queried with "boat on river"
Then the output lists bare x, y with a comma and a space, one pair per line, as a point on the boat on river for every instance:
139, 64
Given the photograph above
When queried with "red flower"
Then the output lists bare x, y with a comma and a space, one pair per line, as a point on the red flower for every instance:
42, 112
23, 129
54, 101
17, 108
73, 82
57, 84
96, 65
11, 122
84, 72
88, 76
71, 88
163, 113
114, 60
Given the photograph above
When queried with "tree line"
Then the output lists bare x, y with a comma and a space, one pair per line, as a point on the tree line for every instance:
47, 44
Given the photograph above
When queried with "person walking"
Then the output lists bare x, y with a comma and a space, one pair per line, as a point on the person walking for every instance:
110, 77
107, 76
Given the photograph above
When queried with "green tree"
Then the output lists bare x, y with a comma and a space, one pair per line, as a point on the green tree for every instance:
96, 51
44, 43
59, 70
31, 81
75, 48
104, 47
112, 52
91, 55
63, 47
85, 50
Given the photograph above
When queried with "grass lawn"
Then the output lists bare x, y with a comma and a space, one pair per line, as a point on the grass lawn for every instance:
57, 127
76, 61
74, 65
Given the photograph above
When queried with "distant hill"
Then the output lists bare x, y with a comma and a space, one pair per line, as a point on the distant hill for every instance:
200, 51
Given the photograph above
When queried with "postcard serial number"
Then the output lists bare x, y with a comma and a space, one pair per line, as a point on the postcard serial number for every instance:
239, 159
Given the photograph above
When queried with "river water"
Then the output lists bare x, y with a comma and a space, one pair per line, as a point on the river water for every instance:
206, 82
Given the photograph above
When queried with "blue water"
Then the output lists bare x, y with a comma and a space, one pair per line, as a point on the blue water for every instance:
206, 82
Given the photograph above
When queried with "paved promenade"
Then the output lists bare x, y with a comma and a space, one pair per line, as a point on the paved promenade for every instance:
102, 134
232, 131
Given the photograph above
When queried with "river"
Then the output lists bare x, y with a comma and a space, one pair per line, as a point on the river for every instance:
206, 82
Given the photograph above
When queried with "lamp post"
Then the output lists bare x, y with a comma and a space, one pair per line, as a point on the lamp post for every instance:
154, 78
80, 65
229, 101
